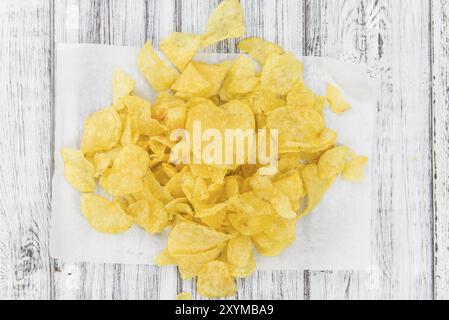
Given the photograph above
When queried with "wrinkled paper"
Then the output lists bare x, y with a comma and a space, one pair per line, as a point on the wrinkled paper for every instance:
336, 236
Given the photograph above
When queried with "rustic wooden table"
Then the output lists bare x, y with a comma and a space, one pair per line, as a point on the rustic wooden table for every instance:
403, 43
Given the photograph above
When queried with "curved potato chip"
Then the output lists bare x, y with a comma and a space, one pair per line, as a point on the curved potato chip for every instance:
188, 238
102, 131
78, 170
332, 162
184, 296
241, 77
315, 187
158, 74
281, 72
180, 48
244, 271
191, 82
102, 161
226, 21
355, 169
215, 280
337, 103
296, 125
190, 264
252, 215
214, 74
104, 215
276, 238
122, 85
239, 251
259, 49
150, 215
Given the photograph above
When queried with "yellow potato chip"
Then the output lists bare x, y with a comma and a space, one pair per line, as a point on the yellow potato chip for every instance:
276, 238
332, 162
252, 215
215, 280
244, 271
214, 74
226, 21
180, 48
78, 170
104, 215
259, 49
102, 161
191, 82
188, 238
337, 103
122, 85
315, 187
296, 125
239, 251
150, 215
102, 131
158, 74
184, 296
241, 77
281, 72
189, 265
355, 169
126, 175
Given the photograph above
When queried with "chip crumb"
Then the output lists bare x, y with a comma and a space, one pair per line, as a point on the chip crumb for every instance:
184, 296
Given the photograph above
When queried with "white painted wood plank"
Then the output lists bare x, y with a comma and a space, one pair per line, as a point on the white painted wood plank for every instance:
119, 23
25, 148
392, 39
440, 112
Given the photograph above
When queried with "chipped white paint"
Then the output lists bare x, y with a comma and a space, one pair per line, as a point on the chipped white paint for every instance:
403, 56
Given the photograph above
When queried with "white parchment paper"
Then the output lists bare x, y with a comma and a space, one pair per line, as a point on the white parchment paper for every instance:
336, 236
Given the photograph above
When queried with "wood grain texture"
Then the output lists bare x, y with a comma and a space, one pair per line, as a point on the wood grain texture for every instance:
392, 39
440, 120
25, 148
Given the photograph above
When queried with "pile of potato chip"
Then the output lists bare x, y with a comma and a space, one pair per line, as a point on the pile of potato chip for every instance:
218, 215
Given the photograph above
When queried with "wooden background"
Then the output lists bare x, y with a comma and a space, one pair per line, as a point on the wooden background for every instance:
403, 43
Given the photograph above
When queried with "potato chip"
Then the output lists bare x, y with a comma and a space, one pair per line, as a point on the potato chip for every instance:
244, 271
150, 215
184, 296
126, 175
188, 238
259, 49
355, 169
281, 72
315, 187
226, 21
332, 162
276, 238
337, 103
102, 131
190, 264
214, 74
252, 215
122, 85
241, 77
191, 82
158, 74
102, 161
263, 100
296, 125
215, 280
239, 251
180, 48
104, 215
78, 170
